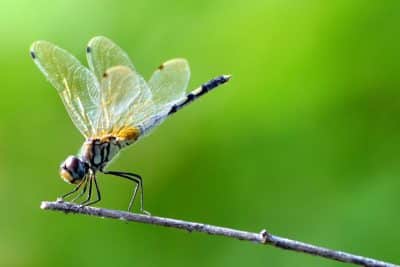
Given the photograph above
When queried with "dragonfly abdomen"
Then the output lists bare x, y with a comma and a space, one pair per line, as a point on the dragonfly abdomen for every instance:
189, 98
205, 88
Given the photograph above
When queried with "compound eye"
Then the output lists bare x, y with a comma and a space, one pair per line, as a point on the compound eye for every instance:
72, 163
72, 170
66, 176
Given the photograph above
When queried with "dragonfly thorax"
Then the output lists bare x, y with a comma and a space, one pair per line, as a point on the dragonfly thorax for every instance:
98, 152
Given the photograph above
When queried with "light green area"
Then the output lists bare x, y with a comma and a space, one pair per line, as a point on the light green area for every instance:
303, 141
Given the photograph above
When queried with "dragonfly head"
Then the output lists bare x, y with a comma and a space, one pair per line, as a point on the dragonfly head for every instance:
73, 170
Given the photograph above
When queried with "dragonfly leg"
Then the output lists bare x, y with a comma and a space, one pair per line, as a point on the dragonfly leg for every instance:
81, 193
89, 193
97, 191
137, 179
75, 189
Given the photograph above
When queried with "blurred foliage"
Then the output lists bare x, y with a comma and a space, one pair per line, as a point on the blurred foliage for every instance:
303, 141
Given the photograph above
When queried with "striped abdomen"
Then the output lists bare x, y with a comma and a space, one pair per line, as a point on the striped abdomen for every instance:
189, 98
205, 88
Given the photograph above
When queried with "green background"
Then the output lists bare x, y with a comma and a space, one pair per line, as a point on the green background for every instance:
304, 140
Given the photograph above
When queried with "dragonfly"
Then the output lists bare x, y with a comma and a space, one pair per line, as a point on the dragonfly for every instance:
112, 106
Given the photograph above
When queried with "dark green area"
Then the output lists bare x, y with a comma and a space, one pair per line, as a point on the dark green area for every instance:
303, 141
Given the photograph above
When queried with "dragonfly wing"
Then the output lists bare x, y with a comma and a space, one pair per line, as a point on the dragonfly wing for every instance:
168, 85
169, 82
125, 99
102, 54
76, 85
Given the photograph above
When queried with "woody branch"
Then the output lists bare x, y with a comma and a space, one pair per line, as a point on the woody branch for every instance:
262, 237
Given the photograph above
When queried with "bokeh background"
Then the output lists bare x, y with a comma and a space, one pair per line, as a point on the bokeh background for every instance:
303, 141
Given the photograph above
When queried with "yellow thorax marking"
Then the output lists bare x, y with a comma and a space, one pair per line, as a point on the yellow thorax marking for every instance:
128, 133
123, 134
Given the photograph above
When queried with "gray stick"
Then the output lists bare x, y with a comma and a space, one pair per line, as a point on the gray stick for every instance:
261, 238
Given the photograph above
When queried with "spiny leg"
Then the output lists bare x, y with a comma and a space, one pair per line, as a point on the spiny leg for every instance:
81, 193
89, 193
133, 198
75, 189
98, 192
139, 183
137, 180
133, 179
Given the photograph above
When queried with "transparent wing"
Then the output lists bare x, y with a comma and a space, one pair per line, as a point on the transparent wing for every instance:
168, 85
125, 99
103, 54
169, 82
76, 85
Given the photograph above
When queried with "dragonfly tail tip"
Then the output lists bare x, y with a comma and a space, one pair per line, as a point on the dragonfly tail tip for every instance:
227, 77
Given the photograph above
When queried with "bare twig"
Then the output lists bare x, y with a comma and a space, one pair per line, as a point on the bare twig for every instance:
261, 238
